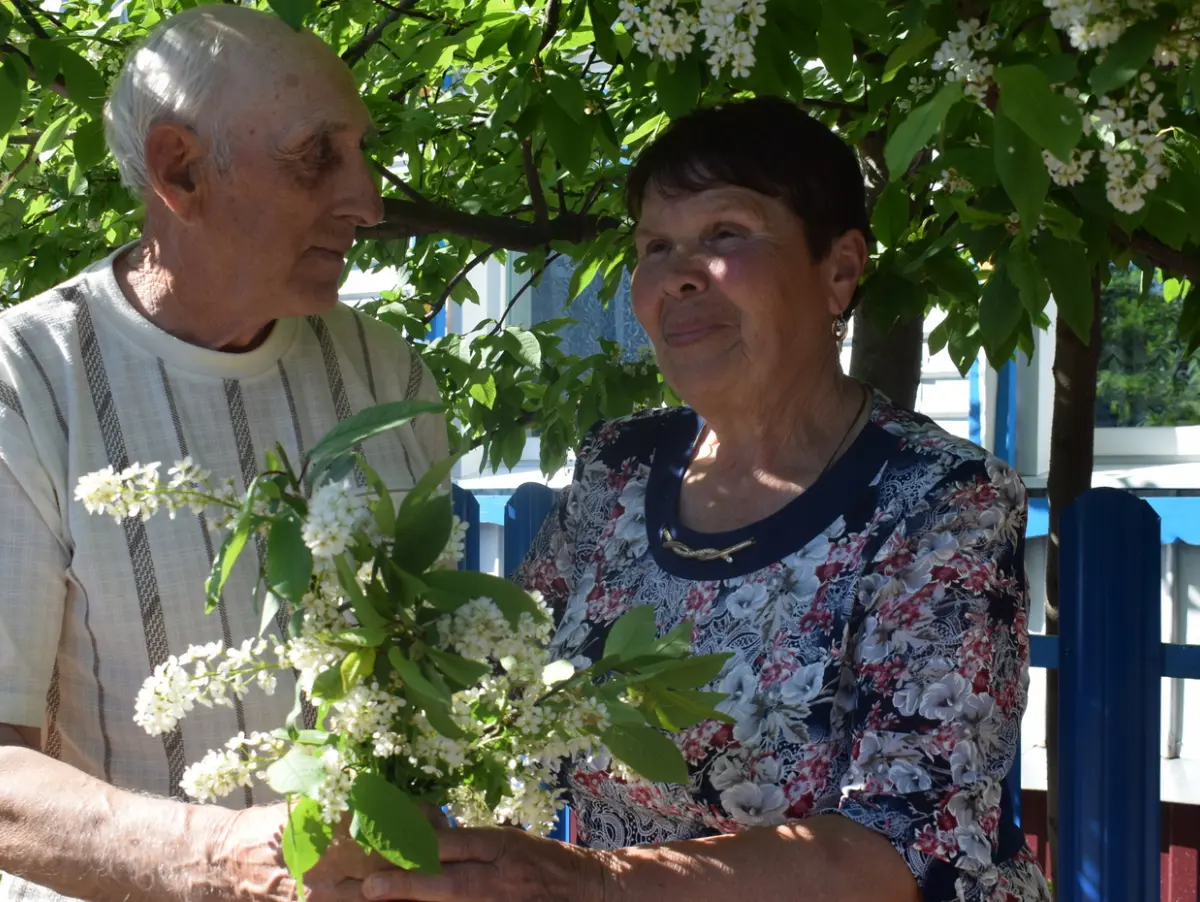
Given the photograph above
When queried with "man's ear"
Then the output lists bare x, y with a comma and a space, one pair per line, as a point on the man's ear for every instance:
173, 164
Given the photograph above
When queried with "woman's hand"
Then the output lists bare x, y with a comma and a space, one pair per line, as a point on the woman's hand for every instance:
497, 865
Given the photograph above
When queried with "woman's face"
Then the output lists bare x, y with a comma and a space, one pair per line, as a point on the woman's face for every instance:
730, 296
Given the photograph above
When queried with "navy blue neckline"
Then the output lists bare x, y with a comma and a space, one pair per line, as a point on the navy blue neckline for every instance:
845, 485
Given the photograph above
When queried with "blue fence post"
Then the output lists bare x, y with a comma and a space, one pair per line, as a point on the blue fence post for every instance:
1109, 710
523, 517
466, 508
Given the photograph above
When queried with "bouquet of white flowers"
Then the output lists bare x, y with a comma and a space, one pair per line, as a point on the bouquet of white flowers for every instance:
424, 684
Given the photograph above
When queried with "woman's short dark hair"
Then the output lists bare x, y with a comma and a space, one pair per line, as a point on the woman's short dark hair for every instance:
768, 145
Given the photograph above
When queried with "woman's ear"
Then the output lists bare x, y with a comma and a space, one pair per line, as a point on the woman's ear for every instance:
844, 268
173, 165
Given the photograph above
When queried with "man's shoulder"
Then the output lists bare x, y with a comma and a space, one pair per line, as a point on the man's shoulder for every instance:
50, 316
349, 320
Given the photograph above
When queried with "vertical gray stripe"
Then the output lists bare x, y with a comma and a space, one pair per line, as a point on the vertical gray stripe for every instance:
337, 386
53, 743
206, 536
416, 375
10, 399
145, 580
366, 352
27, 350
291, 403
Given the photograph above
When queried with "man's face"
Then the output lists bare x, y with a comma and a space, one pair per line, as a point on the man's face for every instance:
283, 216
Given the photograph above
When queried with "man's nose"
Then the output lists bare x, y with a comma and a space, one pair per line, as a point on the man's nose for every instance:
360, 201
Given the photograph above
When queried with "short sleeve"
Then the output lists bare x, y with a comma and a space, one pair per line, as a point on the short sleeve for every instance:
33, 571
549, 565
936, 680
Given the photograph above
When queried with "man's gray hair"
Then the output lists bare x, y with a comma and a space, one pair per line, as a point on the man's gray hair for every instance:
177, 76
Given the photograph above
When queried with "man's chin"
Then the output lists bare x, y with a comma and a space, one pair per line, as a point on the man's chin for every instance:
316, 300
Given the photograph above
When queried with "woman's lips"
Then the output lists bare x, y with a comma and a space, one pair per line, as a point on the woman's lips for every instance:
690, 334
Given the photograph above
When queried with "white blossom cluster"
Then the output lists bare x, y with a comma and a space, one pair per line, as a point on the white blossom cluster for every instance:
336, 512
1133, 143
455, 548
479, 631
218, 676
222, 771
1098, 24
665, 29
955, 183
367, 715
919, 87
961, 57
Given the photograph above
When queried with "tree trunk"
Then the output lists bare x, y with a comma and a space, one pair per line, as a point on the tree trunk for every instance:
890, 361
1072, 439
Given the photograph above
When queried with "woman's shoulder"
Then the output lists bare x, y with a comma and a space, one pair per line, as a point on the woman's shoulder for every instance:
637, 436
947, 458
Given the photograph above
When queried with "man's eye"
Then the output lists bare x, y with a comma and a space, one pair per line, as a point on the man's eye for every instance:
322, 152
657, 247
724, 232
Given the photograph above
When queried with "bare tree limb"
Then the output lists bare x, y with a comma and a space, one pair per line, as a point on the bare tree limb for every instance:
1160, 254
359, 49
537, 197
409, 219
528, 284
398, 182
459, 276
552, 13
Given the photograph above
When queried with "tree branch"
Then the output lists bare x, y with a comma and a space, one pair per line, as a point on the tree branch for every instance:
459, 276
358, 50
1160, 254
409, 219
398, 182
34, 25
537, 197
507, 310
552, 12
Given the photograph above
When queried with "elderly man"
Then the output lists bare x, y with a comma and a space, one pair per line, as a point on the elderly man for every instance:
215, 336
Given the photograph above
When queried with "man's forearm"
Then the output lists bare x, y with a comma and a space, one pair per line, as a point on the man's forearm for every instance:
827, 859
81, 837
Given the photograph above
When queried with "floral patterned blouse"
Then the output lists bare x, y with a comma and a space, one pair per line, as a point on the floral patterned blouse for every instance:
878, 626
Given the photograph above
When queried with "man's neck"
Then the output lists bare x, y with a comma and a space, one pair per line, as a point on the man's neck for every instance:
153, 275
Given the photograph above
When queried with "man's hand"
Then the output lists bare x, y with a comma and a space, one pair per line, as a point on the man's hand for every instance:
246, 862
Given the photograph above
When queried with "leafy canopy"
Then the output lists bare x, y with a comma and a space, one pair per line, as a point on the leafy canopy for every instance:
1013, 149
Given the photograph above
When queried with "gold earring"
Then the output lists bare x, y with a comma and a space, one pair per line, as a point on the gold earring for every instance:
840, 328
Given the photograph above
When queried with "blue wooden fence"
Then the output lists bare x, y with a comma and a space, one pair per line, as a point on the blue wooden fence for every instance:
1111, 660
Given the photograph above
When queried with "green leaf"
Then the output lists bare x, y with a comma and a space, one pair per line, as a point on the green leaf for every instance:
568, 93
1051, 120
356, 667
908, 50
305, 839
368, 422
648, 752
393, 825
421, 535
484, 392
1124, 59
1172, 288
1069, 273
890, 218
363, 609
89, 143
834, 43
412, 677
524, 346
571, 141
432, 483
512, 446
918, 128
54, 134
954, 275
867, 17
1026, 275
12, 93
298, 772
270, 608
678, 710
289, 560
677, 85
1189, 322
999, 310
230, 550
582, 276
688, 673
294, 12
633, 634
44, 56
457, 669
1022, 171
328, 685
84, 83
510, 598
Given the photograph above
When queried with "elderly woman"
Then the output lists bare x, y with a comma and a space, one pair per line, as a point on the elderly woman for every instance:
864, 567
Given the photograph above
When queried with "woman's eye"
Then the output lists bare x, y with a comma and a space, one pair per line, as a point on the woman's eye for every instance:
724, 232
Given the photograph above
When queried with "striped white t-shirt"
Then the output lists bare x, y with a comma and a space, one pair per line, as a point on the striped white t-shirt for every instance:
89, 606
